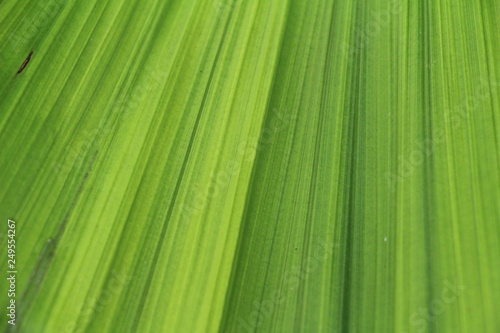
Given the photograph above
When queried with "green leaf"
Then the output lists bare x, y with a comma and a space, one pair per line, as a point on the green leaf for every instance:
250, 166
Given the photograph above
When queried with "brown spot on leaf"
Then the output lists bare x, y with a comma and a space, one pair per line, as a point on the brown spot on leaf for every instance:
25, 63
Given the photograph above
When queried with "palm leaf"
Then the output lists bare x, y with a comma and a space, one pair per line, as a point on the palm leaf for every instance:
251, 166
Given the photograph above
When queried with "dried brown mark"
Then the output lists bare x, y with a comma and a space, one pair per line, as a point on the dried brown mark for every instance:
25, 63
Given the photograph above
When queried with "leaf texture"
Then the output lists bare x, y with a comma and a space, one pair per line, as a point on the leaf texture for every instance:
252, 166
